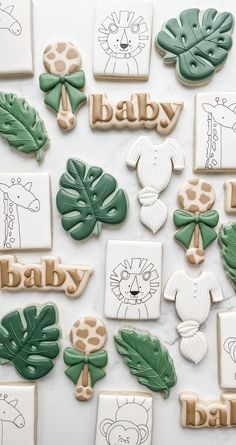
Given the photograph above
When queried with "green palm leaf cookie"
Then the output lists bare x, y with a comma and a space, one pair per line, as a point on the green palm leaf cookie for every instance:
29, 340
227, 242
147, 359
198, 42
22, 127
89, 197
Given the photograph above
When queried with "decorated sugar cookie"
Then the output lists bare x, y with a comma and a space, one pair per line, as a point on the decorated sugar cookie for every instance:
154, 165
196, 220
227, 241
193, 297
22, 127
197, 42
226, 348
88, 198
86, 359
29, 340
125, 415
147, 359
230, 196
64, 82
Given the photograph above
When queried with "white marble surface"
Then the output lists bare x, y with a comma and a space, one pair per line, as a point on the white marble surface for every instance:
62, 419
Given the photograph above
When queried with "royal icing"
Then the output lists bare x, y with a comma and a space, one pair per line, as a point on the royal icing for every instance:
226, 339
154, 165
133, 280
124, 417
196, 220
18, 413
230, 195
88, 197
25, 211
50, 275
193, 297
197, 42
197, 413
16, 34
63, 83
227, 241
86, 359
147, 359
215, 132
140, 111
29, 340
122, 39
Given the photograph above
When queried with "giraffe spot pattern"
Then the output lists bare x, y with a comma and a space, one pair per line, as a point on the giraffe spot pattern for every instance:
60, 66
94, 341
83, 333
191, 194
72, 53
91, 322
80, 345
101, 331
204, 199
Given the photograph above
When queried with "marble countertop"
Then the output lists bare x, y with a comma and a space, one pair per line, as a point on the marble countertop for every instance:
62, 419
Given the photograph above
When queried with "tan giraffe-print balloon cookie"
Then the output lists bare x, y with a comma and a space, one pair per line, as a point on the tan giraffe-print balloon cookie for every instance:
86, 359
196, 219
63, 82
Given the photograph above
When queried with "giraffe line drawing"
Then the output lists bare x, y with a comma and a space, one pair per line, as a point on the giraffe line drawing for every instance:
14, 196
9, 413
7, 21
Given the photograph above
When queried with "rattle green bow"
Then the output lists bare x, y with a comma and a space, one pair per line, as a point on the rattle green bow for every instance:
76, 361
188, 221
52, 85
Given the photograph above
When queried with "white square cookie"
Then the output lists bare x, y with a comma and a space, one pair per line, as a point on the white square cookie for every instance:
215, 132
25, 211
226, 333
125, 418
230, 195
133, 280
122, 40
16, 36
18, 413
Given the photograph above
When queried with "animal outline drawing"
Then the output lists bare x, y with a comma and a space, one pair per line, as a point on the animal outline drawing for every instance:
16, 196
220, 116
229, 347
8, 21
122, 37
9, 413
134, 282
130, 425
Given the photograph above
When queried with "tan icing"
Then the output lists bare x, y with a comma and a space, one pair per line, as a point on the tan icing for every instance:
202, 201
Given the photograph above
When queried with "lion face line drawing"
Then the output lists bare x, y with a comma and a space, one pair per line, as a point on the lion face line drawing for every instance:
122, 38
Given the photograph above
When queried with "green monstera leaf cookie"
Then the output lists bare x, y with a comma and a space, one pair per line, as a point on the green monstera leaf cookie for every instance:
227, 242
89, 197
198, 42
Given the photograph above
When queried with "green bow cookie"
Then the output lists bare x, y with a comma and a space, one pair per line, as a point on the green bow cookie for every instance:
76, 361
52, 85
188, 221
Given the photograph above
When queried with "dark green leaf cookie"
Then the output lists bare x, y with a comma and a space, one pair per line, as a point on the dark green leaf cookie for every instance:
227, 242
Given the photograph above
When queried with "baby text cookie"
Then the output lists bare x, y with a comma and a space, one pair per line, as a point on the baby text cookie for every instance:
122, 39
63, 83
198, 413
86, 359
137, 112
197, 42
230, 195
16, 36
154, 165
215, 132
22, 127
50, 275
88, 198
196, 220
193, 297
147, 359
133, 280
124, 417
29, 340
226, 339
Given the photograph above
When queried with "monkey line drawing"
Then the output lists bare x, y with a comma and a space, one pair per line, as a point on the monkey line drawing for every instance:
131, 423
8, 22
230, 347
122, 37
134, 282
219, 117
9, 413
16, 196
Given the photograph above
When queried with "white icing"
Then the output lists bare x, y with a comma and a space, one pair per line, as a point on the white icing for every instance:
227, 349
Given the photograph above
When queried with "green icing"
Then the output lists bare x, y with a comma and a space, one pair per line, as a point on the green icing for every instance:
21, 126
187, 221
52, 85
76, 361
198, 42
29, 340
89, 197
147, 359
227, 242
